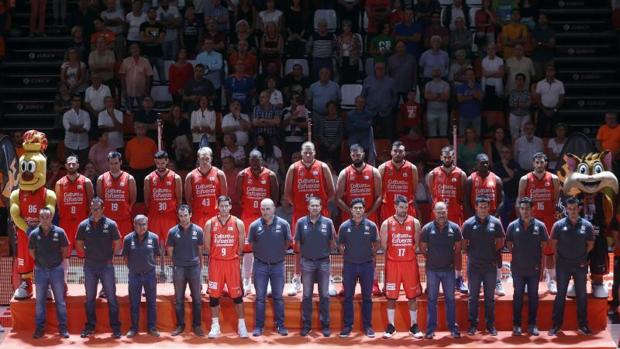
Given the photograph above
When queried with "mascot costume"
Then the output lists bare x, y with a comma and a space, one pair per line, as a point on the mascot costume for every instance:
25, 203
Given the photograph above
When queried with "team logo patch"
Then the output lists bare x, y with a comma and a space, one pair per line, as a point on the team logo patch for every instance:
212, 179
408, 227
315, 173
263, 181
79, 187
230, 228
453, 179
405, 174
212, 285
122, 184
366, 178
390, 286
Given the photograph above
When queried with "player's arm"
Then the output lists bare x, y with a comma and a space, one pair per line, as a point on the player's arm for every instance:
499, 194
189, 197
239, 184
15, 211
429, 184
288, 185
329, 181
556, 189
207, 244
178, 189
378, 190
340, 193
90, 191
383, 235
241, 230
418, 231
332, 241
147, 191
521, 193
458, 248
223, 184
133, 191
414, 185
116, 245
275, 187
99, 185
467, 198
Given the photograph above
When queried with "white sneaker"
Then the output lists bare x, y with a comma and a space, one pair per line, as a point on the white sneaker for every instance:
552, 286
295, 287
247, 287
49, 295
332, 288
499, 288
242, 330
268, 288
215, 331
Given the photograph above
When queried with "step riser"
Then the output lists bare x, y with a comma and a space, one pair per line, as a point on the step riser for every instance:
28, 107
581, 27
591, 103
34, 56
584, 51
588, 77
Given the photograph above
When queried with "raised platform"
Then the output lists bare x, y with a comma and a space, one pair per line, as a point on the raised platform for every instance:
23, 312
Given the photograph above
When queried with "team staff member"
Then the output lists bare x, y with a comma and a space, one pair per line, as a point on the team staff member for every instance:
399, 177
48, 245
572, 238
526, 238
203, 186
254, 184
543, 188
316, 238
270, 237
117, 188
185, 244
440, 242
358, 242
224, 239
447, 183
305, 178
140, 249
399, 237
73, 193
99, 240
483, 236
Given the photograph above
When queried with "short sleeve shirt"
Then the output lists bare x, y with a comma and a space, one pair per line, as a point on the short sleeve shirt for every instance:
314, 238
440, 245
571, 246
268, 240
98, 240
481, 234
526, 251
357, 240
141, 253
47, 247
186, 243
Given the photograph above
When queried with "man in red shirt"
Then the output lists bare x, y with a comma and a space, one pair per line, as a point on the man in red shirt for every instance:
203, 186
254, 184
447, 184
306, 178
543, 188
399, 177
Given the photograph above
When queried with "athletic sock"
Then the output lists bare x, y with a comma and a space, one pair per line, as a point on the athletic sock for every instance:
390, 315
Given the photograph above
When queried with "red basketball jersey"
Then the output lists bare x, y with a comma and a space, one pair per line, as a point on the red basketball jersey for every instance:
224, 238
116, 196
541, 193
308, 181
486, 186
30, 202
253, 190
400, 239
206, 188
360, 184
396, 181
163, 199
72, 200
447, 187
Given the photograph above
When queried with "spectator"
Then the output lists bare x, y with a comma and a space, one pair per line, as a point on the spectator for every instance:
76, 123
295, 124
213, 64
433, 58
231, 149
543, 37
110, 120
437, 94
503, 10
458, 9
295, 83
170, 18
246, 11
410, 112
177, 136
135, 75
59, 9
381, 99
608, 135
134, 20
275, 95
378, 12
403, 68
434, 28
519, 102
272, 72
243, 32
519, 64
468, 150
297, 22
555, 145
98, 154
140, 153
485, 25
101, 31
271, 46
513, 33
397, 15
266, 117
321, 47
90, 171
245, 56
153, 34
550, 96
460, 37
501, 139
83, 15
95, 95
359, 125
382, 44
272, 154
348, 52
196, 88
526, 146
101, 62
424, 9
322, 92
410, 32
147, 117
469, 95
415, 143
179, 74
349, 10
37, 17
492, 74
217, 11
510, 173
529, 13
330, 134
237, 123
191, 31
240, 87
17, 139
456, 74
62, 101
73, 72
54, 173
219, 38
270, 14
114, 20
202, 122
77, 42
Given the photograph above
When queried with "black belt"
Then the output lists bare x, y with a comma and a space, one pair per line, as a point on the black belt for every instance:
272, 263
143, 273
316, 259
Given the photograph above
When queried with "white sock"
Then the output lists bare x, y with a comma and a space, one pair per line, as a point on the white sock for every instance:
499, 274
551, 273
390, 315
248, 260
215, 321
458, 273
413, 314
297, 276
241, 322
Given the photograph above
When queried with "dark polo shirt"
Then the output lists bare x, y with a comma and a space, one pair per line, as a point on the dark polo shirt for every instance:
141, 253
357, 240
571, 247
314, 238
47, 247
98, 240
440, 245
481, 234
526, 251
186, 245
268, 240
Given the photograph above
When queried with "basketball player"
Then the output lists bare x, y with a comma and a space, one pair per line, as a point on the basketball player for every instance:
399, 177
203, 186
117, 188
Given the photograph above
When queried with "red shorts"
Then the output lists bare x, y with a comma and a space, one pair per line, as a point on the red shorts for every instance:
125, 226
388, 211
70, 227
161, 224
247, 221
224, 271
25, 263
548, 221
405, 272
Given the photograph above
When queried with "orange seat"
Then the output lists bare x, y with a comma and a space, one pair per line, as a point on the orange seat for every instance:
494, 119
434, 146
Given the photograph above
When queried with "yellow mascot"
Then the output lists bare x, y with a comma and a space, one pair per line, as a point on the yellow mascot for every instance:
25, 203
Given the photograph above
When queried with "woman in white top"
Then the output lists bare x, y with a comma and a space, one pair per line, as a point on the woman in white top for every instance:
493, 71
237, 123
556, 144
134, 19
233, 150
275, 96
110, 120
270, 14
73, 72
202, 122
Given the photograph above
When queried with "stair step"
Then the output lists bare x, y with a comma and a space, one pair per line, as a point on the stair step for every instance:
33, 80
33, 106
585, 50
567, 75
33, 55
580, 26
28, 90
589, 102
575, 4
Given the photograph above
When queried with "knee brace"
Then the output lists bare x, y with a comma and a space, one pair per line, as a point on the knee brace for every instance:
214, 302
238, 300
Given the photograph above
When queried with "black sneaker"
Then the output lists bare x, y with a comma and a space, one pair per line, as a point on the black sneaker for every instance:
533, 331
389, 331
282, 331
492, 331
154, 332
38, 333
584, 330
461, 286
369, 332
346, 332
258, 331
87, 332
177, 331
472, 330
117, 334
305, 331
102, 294
63, 333
429, 335
455, 334
516, 331
554, 331
415, 332
198, 331
326, 332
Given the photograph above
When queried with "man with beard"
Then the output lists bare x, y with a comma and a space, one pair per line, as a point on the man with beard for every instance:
254, 184
399, 237
305, 178
447, 184
543, 188
203, 186
483, 182
163, 193
117, 188
399, 177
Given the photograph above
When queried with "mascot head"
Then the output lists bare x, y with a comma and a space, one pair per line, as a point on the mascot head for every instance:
33, 164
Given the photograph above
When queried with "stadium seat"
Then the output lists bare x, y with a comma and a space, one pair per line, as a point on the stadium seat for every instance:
290, 63
161, 97
494, 119
348, 92
329, 16
434, 146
